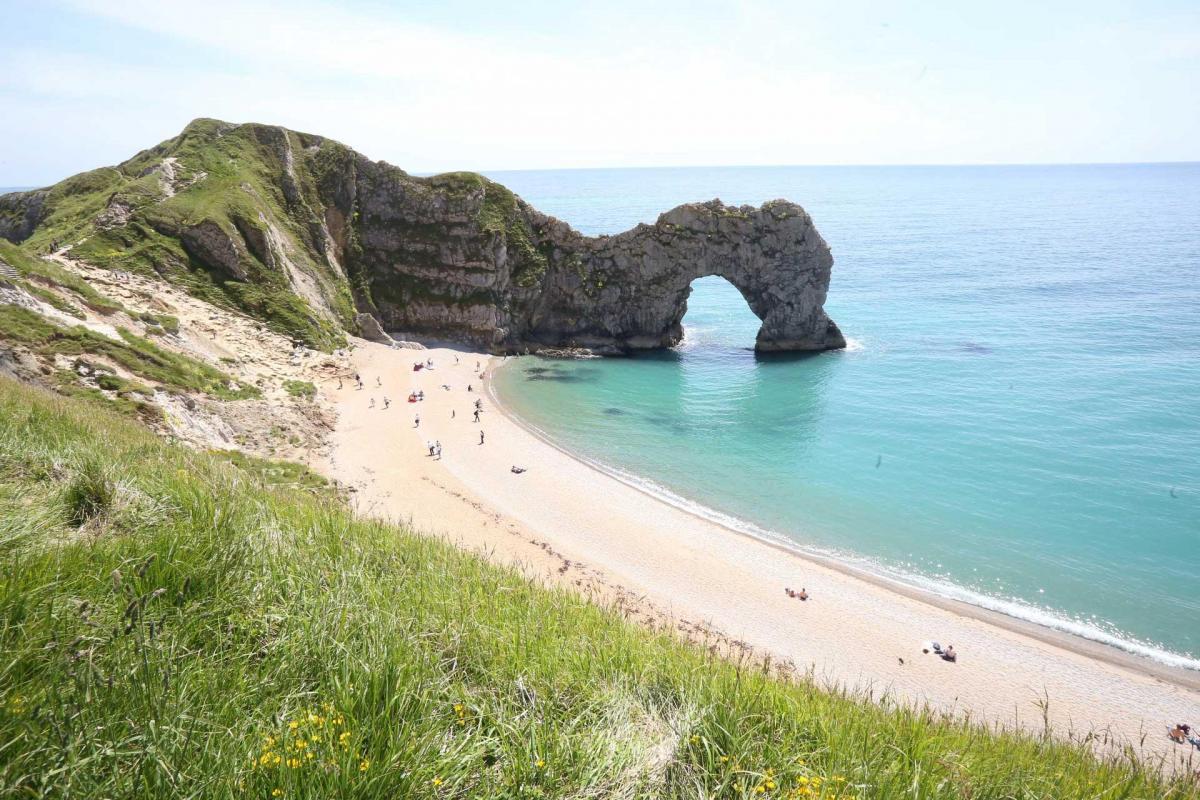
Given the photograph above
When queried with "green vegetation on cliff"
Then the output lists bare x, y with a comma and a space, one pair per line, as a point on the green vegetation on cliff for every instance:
37, 271
239, 180
172, 626
140, 356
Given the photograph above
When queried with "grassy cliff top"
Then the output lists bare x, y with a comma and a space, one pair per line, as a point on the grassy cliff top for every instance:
173, 626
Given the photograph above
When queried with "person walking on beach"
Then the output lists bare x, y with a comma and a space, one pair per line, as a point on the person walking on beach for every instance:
339, 383
417, 421
481, 437
378, 382
372, 404
386, 402
438, 450
477, 415
452, 413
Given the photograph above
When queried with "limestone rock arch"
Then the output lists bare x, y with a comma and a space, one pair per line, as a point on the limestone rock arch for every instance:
629, 292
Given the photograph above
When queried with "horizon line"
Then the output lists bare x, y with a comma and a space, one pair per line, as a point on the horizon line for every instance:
930, 165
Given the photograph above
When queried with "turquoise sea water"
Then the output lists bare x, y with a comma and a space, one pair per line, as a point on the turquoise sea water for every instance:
1016, 422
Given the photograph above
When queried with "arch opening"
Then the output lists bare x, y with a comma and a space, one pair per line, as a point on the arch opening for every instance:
717, 314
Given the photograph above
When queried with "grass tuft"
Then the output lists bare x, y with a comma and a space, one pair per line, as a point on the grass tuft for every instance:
90, 493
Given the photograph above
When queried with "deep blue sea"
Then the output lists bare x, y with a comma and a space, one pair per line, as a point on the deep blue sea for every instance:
1016, 422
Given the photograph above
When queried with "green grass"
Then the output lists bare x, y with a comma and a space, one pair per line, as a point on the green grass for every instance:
243, 169
136, 354
171, 626
300, 388
279, 474
35, 269
165, 322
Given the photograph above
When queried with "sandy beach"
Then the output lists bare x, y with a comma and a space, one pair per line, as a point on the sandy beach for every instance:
567, 523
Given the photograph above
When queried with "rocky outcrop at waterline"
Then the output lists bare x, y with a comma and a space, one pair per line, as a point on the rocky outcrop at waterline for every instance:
314, 239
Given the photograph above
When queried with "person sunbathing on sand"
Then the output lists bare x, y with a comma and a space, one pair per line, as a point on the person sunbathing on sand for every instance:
517, 470
948, 654
802, 594
1180, 733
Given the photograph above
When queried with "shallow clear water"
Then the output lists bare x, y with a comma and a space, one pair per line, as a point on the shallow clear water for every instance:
1017, 421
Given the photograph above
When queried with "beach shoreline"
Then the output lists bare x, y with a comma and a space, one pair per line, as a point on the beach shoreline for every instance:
1182, 676
570, 523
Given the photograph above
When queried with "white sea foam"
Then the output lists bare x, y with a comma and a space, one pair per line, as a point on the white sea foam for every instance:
854, 345
1011, 607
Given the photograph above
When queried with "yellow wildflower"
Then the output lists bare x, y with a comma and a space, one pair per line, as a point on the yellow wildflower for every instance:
770, 784
364, 765
277, 793
540, 764
760, 789
293, 725
436, 782
293, 762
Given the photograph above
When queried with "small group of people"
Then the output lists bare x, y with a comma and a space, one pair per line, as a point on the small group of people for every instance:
435, 449
800, 595
945, 653
1182, 734
416, 397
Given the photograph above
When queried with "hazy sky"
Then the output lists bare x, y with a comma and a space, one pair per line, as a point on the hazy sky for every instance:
474, 85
